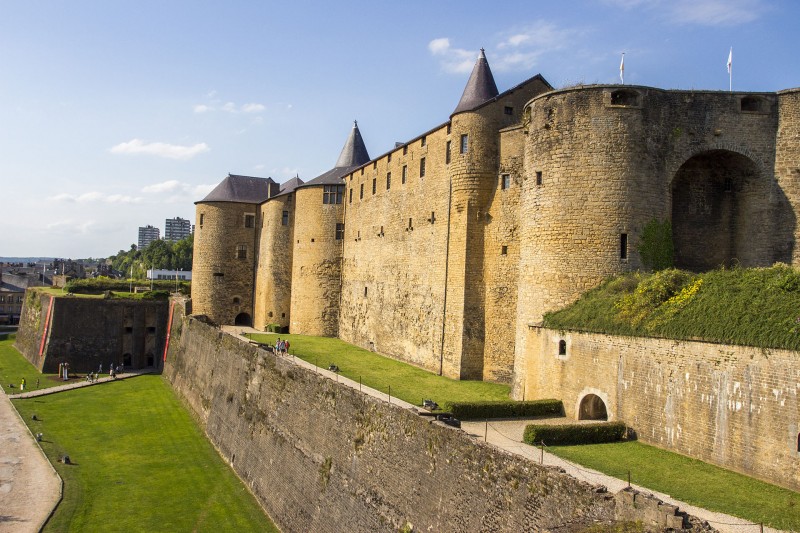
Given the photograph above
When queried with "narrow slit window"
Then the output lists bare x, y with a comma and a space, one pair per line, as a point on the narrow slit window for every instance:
388, 180
505, 181
447, 153
538, 177
404, 174
422, 167
374, 185
285, 218
562, 347
623, 246
464, 143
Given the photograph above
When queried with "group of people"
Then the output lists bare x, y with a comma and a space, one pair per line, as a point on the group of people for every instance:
113, 371
281, 347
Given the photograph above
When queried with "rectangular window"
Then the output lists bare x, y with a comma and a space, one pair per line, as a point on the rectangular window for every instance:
422, 167
464, 141
404, 174
202, 217
623, 246
332, 194
249, 221
447, 153
448, 128
389, 158
422, 141
285, 218
289, 198
388, 180
505, 181
374, 185
405, 149
241, 251
374, 165
361, 192
508, 110
351, 195
339, 231
538, 177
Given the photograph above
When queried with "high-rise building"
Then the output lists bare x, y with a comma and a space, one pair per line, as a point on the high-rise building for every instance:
148, 234
177, 228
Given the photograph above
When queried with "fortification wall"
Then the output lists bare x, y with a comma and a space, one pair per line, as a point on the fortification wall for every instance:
316, 265
320, 456
87, 332
223, 279
274, 264
601, 164
735, 406
787, 158
395, 253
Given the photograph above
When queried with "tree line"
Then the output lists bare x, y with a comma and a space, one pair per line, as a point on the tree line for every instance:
159, 254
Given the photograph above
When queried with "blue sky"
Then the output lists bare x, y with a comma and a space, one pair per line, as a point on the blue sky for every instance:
114, 115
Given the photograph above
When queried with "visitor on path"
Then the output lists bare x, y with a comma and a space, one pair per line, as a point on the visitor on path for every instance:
37, 383
100, 369
286, 347
22, 385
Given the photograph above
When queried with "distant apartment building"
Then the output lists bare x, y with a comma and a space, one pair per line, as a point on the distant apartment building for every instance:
148, 234
177, 228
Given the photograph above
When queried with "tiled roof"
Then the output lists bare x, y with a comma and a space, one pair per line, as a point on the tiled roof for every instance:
354, 154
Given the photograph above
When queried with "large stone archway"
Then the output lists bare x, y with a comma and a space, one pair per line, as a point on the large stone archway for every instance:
243, 319
592, 407
725, 212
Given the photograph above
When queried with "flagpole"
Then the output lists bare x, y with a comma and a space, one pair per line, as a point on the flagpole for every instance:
622, 69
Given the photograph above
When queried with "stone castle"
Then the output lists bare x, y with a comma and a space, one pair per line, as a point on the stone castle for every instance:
446, 250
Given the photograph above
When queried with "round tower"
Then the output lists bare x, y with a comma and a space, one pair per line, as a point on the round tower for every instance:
223, 270
274, 267
787, 155
318, 238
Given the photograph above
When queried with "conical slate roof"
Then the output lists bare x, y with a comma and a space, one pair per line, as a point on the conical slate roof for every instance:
480, 87
354, 152
241, 189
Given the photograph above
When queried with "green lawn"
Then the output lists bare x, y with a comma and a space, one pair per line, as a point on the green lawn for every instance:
408, 382
14, 367
691, 481
140, 462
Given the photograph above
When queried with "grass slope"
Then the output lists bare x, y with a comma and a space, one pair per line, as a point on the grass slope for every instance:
408, 382
141, 462
752, 307
691, 481
14, 367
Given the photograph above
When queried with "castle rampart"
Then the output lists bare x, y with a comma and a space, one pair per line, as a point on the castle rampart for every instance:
274, 266
735, 406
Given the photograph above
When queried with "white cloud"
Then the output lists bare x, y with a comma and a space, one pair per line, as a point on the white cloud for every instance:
230, 107
699, 12
202, 108
95, 197
70, 226
714, 12
253, 108
164, 186
170, 151
453, 60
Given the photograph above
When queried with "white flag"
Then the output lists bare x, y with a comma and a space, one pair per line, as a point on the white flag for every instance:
622, 69
730, 60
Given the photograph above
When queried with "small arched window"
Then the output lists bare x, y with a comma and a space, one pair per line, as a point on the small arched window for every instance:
562, 347
236, 299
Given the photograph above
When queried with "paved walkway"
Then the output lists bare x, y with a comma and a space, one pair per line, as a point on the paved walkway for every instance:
507, 434
30, 488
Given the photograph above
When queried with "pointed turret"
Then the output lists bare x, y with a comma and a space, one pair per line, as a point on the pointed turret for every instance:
480, 87
354, 152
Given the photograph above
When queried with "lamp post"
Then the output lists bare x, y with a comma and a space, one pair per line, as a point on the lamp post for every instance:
176, 279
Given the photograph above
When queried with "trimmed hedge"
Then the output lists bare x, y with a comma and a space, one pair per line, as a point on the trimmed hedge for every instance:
504, 409
101, 284
565, 435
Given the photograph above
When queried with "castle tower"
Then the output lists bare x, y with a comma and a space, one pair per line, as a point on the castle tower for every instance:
318, 239
273, 293
225, 247
787, 168
473, 170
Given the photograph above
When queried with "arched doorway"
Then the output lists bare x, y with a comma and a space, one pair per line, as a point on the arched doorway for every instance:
592, 408
724, 212
243, 319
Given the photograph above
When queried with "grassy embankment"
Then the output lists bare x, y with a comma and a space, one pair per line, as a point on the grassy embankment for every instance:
140, 462
751, 307
407, 382
14, 367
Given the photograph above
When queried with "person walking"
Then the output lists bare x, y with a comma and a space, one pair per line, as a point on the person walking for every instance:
22, 385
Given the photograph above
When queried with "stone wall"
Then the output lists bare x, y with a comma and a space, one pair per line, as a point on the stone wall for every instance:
274, 266
320, 456
316, 265
223, 282
735, 406
87, 332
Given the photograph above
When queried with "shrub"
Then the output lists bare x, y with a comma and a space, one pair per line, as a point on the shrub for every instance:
156, 295
655, 246
274, 328
575, 433
504, 409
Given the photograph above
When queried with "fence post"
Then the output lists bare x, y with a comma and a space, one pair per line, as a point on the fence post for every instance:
629, 479
359, 383
486, 431
541, 460
390, 394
